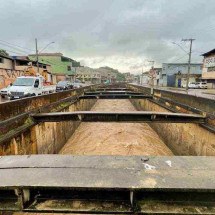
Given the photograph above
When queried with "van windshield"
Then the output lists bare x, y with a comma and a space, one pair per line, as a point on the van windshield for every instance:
23, 82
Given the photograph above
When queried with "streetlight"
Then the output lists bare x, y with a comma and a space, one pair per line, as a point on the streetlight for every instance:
46, 46
180, 47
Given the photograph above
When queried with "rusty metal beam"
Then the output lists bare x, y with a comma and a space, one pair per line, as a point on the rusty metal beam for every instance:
108, 184
114, 92
113, 89
133, 116
116, 96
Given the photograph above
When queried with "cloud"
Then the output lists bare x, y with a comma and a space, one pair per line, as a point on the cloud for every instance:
122, 34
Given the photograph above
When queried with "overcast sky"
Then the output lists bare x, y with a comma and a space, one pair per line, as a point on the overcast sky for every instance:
123, 34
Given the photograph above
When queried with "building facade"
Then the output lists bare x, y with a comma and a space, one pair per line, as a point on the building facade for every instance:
15, 66
88, 75
208, 70
7, 71
151, 77
107, 74
175, 74
154, 76
144, 78
62, 67
129, 77
23, 63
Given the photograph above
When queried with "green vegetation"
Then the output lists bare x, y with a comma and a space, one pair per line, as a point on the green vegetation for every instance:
119, 76
4, 53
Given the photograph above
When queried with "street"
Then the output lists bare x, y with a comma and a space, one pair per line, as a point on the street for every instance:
204, 93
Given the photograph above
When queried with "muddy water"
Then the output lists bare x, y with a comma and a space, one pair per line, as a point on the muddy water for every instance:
115, 138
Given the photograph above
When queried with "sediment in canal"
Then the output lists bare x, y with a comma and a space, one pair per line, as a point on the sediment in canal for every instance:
73, 137
115, 138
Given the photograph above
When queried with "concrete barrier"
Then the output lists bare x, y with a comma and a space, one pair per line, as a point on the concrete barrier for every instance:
13, 108
204, 104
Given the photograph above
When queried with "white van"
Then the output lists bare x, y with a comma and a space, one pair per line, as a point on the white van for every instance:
202, 85
25, 86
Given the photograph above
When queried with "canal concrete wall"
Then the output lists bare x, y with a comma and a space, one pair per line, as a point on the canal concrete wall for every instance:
181, 138
42, 138
204, 104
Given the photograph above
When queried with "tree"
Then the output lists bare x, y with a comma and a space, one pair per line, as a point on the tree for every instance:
4, 53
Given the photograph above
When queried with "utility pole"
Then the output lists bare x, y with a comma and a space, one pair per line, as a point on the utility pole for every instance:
142, 77
189, 60
75, 76
37, 58
152, 78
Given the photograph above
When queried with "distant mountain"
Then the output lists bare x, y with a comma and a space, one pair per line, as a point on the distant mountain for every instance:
119, 76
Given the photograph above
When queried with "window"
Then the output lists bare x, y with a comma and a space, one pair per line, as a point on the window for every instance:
23, 82
36, 84
211, 69
69, 68
1, 60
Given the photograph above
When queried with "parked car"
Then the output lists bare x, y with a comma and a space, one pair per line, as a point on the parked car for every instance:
202, 85
192, 85
64, 85
77, 84
4, 91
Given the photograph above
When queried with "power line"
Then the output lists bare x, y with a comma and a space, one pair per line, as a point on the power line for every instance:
13, 52
13, 48
180, 58
16, 45
180, 47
